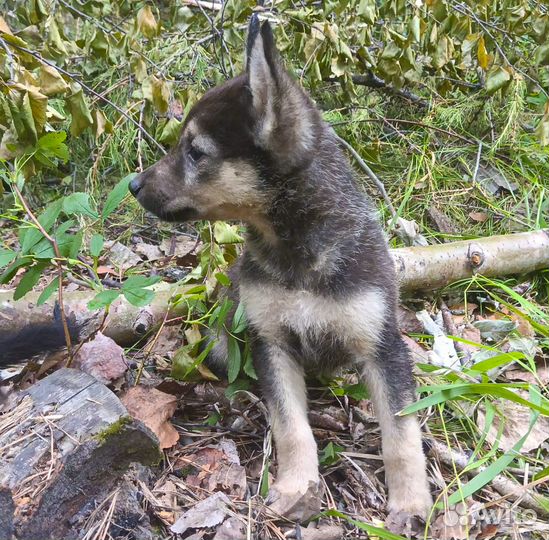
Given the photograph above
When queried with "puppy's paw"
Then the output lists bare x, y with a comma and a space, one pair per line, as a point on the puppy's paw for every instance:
411, 502
295, 504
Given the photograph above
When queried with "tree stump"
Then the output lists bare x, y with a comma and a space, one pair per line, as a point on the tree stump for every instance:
64, 446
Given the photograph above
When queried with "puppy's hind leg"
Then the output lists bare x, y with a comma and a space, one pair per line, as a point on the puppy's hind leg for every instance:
283, 384
390, 382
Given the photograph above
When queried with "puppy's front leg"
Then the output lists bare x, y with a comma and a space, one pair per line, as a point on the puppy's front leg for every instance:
284, 390
391, 385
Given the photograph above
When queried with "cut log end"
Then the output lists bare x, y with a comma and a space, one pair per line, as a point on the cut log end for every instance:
67, 443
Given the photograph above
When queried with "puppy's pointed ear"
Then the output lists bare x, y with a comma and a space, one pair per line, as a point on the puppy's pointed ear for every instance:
285, 118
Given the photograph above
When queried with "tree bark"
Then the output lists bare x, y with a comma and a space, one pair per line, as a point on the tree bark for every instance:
67, 443
431, 267
418, 268
125, 323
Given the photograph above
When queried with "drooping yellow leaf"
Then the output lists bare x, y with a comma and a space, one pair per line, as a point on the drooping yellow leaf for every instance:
482, 54
51, 81
39, 105
100, 124
146, 22
497, 78
54, 38
80, 112
157, 92
415, 28
139, 68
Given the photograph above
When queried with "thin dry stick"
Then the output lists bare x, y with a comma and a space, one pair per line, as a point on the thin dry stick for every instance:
378, 183
59, 265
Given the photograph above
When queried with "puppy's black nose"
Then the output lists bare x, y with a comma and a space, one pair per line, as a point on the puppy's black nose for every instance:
135, 186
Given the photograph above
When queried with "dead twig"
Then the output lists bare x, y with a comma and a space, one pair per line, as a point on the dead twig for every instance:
373, 81
373, 177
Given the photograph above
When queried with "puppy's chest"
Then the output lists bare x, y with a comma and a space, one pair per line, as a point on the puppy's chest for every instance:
313, 324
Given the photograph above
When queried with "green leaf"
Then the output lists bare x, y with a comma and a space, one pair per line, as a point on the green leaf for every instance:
542, 55
135, 292
138, 297
374, 532
443, 393
240, 322
103, 299
6, 256
47, 218
75, 244
226, 234
248, 367
330, 454
237, 386
138, 282
96, 244
79, 203
52, 144
11, 270
234, 359
79, 109
356, 391
29, 280
170, 132
48, 291
223, 279
496, 79
116, 195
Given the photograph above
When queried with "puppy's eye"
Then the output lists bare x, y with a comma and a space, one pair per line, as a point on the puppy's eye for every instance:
195, 154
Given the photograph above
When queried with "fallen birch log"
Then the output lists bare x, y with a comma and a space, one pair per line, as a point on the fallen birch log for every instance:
125, 323
66, 444
431, 267
418, 268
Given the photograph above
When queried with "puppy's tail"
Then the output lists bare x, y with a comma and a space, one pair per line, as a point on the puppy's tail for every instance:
37, 338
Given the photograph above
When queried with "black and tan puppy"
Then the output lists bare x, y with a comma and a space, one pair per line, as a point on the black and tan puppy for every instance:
316, 279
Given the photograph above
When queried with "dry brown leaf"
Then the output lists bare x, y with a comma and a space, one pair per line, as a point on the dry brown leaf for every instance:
297, 506
441, 221
121, 256
516, 422
216, 468
104, 270
4, 26
542, 372
154, 409
168, 341
404, 524
232, 528
177, 246
408, 322
207, 513
419, 354
102, 358
455, 524
479, 217
470, 333
149, 251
